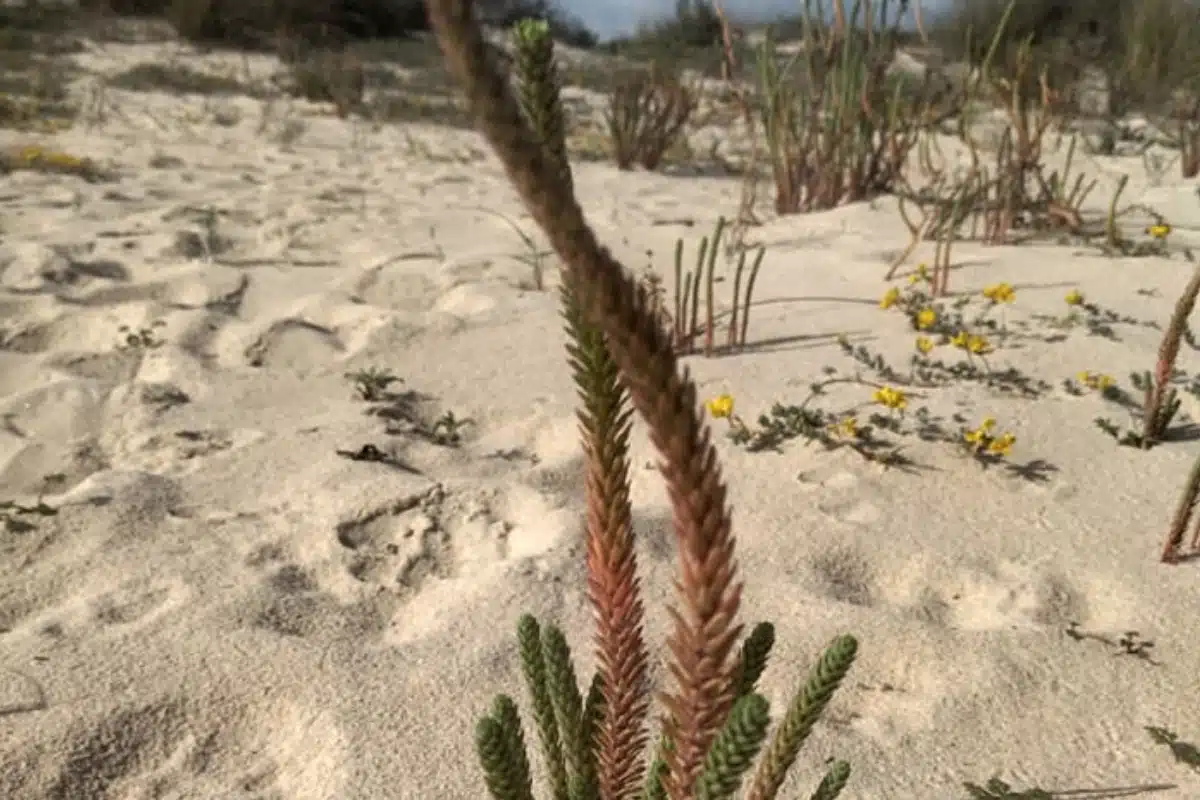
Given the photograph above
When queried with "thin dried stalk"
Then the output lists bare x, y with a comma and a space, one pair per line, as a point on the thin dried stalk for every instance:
749, 191
842, 130
758, 259
646, 114
1154, 420
1183, 515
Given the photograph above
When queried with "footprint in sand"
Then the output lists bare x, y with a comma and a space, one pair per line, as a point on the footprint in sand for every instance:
465, 301
294, 344
124, 609
986, 595
401, 546
181, 451
446, 547
892, 698
843, 495
32, 268
218, 745
399, 287
843, 573
289, 599
135, 604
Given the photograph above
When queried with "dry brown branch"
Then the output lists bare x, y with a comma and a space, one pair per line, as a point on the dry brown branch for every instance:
838, 129
647, 111
1184, 513
1010, 190
749, 193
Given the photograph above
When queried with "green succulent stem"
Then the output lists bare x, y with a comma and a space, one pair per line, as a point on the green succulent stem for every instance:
732, 752
834, 782
534, 667
756, 650
657, 773
803, 713
539, 90
501, 749
568, 711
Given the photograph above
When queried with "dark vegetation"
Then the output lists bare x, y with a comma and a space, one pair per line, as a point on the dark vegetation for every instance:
262, 24
1147, 51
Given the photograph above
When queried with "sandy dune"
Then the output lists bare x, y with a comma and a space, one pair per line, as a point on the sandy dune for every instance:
229, 604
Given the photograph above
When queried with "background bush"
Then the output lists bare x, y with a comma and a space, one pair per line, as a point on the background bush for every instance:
1149, 50
262, 24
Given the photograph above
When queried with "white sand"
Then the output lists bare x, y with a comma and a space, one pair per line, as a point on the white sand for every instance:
225, 608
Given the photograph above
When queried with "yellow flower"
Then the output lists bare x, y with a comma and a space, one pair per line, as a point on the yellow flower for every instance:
1002, 444
1159, 231
846, 427
999, 293
720, 406
978, 344
889, 298
1074, 298
924, 344
925, 318
982, 440
1094, 380
971, 342
922, 274
979, 436
64, 160
34, 155
890, 398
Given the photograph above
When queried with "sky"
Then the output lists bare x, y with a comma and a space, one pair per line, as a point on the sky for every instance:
608, 18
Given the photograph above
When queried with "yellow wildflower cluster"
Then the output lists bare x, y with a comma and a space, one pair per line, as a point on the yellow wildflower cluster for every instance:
971, 342
1094, 380
983, 441
40, 159
846, 428
721, 406
1159, 231
888, 397
999, 293
923, 318
33, 155
926, 317
921, 275
1074, 298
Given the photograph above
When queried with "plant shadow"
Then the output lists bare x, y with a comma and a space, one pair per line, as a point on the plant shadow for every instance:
996, 789
1185, 432
803, 341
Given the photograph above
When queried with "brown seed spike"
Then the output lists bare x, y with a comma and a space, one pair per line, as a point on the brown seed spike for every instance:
707, 590
611, 564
